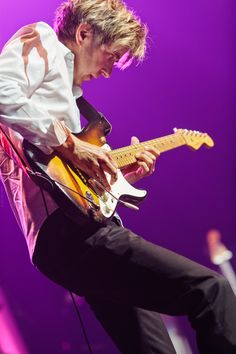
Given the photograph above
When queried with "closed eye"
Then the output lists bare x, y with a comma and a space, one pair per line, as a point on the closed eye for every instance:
117, 56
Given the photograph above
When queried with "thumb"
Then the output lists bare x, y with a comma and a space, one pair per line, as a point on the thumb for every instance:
134, 140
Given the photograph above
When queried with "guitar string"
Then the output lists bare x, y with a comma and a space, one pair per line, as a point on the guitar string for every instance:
138, 146
162, 140
132, 150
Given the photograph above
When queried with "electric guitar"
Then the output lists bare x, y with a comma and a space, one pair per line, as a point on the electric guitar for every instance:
84, 199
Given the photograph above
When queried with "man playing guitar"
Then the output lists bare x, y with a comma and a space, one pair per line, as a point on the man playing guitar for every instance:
126, 280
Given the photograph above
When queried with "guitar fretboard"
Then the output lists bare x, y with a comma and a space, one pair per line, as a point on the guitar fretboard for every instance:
126, 156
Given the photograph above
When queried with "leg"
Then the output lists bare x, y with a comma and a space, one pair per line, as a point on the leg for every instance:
151, 277
133, 330
111, 264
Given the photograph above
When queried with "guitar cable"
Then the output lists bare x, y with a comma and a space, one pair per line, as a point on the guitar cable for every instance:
76, 307
32, 173
50, 180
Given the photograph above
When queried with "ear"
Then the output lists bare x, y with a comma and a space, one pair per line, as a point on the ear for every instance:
83, 32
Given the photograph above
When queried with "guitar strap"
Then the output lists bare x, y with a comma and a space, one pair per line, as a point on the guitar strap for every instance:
87, 110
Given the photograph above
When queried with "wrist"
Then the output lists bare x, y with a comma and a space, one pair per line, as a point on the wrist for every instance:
67, 149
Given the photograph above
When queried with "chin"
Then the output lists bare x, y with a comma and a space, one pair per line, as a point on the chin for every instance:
78, 82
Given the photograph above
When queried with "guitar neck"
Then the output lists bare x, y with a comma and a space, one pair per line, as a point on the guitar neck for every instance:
126, 156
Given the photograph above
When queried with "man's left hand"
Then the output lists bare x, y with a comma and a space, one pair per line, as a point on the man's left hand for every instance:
144, 165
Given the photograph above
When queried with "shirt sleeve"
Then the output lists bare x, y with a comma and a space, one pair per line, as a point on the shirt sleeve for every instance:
24, 64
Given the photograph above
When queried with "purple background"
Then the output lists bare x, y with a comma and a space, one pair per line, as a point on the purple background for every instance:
186, 81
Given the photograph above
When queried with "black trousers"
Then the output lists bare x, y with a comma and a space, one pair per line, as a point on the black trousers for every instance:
128, 281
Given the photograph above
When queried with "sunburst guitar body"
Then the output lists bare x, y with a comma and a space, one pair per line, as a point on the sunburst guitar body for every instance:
84, 199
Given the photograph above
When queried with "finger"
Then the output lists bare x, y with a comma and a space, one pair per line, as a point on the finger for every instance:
144, 167
109, 162
134, 140
102, 179
145, 170
107, 166
152, 168
90, 167
110, 158
146, 156
153, 150
93, 169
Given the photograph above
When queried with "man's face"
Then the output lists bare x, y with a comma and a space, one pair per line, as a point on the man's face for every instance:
92, 59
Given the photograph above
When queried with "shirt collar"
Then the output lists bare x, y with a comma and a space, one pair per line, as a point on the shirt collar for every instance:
68, 55
66, 51
77, 91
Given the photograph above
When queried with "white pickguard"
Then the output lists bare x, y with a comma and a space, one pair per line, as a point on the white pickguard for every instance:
109, 200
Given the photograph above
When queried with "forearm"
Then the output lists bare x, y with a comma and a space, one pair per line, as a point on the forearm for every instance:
69, 148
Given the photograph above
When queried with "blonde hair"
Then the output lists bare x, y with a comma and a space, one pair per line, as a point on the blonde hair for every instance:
111, 22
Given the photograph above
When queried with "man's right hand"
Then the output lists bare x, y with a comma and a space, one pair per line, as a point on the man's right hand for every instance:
89, 158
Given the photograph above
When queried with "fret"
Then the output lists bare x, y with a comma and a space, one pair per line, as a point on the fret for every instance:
126, 156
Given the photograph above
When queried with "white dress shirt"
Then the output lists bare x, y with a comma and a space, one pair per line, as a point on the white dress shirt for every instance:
37, 99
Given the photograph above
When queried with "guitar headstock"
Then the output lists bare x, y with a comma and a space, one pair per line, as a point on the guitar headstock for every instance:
195, 139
